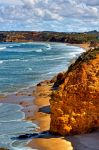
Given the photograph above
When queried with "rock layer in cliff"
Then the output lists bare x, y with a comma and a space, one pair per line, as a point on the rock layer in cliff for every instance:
75, 104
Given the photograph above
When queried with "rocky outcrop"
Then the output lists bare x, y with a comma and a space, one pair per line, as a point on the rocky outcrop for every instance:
75, 103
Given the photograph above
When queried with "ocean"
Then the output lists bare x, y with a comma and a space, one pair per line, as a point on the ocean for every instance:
23, 65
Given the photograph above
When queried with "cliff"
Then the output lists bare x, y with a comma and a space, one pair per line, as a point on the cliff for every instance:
30, 36
75, 102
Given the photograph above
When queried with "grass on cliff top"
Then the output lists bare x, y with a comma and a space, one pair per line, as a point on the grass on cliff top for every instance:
89, 55
85, 57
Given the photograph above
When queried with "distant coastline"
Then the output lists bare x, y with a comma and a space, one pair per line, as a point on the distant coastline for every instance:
48, 36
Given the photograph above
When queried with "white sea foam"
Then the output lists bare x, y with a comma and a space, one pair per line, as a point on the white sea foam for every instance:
23, 51
18, 60
48, 46
13, 60
49, 73
39, 50
73, 54
57, 58
30, 69
22, 148
2, 48
11, 46
14, 45
1, 61
20, 145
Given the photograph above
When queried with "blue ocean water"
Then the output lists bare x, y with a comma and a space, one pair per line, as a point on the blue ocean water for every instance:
12, 124
23, 65
26, 64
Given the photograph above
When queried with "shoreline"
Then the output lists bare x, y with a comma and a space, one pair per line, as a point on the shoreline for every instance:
50, 142
36, 108
42, 116
85, 46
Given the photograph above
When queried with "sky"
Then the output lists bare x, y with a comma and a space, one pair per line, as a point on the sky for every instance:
49, 15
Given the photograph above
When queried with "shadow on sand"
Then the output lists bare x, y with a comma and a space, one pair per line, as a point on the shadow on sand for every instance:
45, 109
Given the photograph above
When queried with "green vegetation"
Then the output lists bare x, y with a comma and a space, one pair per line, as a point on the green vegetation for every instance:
85, 57
91, 54
73, 38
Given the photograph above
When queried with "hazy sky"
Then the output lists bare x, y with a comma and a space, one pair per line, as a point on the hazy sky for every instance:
53, 15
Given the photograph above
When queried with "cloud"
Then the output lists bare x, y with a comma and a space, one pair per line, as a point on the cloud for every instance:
57, 15
92, 2
9, 2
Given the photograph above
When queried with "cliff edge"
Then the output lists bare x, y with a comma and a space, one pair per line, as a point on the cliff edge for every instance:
75, 102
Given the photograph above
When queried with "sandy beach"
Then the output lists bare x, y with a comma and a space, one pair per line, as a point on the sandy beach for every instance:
37, 109
51, 142
48, 142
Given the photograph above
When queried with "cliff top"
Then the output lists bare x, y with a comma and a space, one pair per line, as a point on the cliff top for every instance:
85, 57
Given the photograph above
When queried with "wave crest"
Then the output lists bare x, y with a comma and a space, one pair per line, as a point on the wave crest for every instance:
1, 61
39, 50
2, 48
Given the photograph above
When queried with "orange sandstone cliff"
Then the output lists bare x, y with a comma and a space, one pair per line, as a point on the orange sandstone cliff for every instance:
75, 102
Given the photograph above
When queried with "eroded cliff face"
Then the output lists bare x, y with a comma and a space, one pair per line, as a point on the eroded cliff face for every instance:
75, 104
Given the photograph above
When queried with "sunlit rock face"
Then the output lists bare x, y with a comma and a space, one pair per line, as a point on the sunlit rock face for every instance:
75, 103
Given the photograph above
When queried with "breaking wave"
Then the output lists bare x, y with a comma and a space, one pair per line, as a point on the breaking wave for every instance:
1, 61
2, 48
